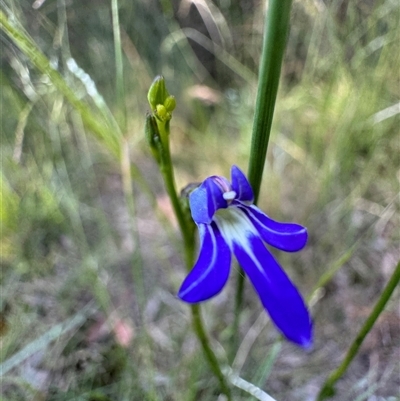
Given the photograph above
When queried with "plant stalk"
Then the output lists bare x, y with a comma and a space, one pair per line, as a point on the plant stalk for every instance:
274, 44
276, 30
185, 227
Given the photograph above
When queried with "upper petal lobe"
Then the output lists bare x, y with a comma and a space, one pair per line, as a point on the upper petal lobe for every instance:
241, 185
205, 200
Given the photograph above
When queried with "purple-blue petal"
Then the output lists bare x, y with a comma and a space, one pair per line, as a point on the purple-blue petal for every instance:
277, 293
211, 271
289, 237
241, 185
205, 200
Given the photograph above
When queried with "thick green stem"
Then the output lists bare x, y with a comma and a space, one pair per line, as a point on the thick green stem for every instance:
328, 388
274, 43
276, 30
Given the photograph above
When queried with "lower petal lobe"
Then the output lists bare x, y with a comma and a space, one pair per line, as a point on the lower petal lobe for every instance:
277, 293
211, 271
288, 237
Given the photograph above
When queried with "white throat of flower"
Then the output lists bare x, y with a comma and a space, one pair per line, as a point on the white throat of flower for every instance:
236, 228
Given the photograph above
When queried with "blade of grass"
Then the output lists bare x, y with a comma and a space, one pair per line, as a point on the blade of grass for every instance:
44, 340
119, 68
174, 38
266, 368
19, 131
250, 388
106, 133
327, 389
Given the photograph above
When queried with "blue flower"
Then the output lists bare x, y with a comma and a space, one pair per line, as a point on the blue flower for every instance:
228, 221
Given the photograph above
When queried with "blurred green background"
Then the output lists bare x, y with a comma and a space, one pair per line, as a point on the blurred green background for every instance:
91, 258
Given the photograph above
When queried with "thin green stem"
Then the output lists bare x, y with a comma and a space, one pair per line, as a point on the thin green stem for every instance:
275, 33
328, 387
185, 226
209, 353
169, 180
236, 320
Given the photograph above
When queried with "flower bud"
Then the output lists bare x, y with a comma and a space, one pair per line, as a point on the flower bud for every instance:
157, 93
162, 113
170, 103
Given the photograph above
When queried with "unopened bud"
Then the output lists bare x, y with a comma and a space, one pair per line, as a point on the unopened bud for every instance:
162, 113
157, 92
170, 103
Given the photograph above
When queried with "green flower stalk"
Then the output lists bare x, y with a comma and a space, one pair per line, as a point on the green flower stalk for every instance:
157, 128
153, 138
157, 135
157, 132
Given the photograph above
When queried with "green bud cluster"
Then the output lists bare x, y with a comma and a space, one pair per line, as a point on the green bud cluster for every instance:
157, 121
161, 102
